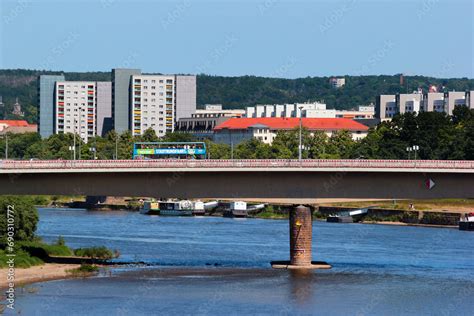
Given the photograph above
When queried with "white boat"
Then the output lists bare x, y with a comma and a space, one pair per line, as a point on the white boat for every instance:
168, 208
467, 222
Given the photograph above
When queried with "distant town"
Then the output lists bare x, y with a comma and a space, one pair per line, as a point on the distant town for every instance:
167, 103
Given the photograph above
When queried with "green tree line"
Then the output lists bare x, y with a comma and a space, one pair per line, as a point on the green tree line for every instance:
438, 136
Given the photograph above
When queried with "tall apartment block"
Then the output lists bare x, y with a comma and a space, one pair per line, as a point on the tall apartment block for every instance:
46, 97
159, 101
76, 108
154, 103
121, 87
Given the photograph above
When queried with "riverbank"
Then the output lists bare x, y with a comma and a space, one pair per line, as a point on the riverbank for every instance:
45, 272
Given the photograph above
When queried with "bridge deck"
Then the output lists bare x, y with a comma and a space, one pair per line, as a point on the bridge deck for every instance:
340, 165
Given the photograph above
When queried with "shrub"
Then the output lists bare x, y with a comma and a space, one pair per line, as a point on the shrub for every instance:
84, 270
102, 253
22, 259
42, 250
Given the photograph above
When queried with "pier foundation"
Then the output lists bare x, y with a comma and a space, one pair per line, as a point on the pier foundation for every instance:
301, 237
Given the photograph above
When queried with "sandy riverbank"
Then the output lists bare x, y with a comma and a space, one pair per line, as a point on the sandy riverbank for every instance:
46, 272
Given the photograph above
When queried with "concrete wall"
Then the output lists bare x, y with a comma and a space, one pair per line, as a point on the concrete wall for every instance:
453, 99
104, 108
433, 101
385, 106
409, 103
121, 79
46, 86
233, 183
185, 96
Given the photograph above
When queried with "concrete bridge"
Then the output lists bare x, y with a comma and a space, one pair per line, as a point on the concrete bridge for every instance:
239, 179
255, 179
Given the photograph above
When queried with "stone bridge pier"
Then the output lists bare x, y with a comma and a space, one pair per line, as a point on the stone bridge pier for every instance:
301, 237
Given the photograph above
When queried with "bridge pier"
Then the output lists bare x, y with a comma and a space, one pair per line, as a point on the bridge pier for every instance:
301, 237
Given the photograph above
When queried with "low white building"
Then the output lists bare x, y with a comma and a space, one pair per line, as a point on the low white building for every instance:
234, 131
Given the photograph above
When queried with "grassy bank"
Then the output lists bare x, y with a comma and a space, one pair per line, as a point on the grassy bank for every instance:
32, 253
437, 205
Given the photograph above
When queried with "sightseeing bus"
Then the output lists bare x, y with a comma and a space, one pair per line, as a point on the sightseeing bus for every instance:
162, 150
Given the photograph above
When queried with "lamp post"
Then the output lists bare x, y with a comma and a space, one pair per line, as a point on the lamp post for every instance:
414, 148
300, 147
116, 145
80, 136
74, 141
6, 146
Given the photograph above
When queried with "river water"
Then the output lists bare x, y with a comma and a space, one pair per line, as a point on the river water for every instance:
220, 266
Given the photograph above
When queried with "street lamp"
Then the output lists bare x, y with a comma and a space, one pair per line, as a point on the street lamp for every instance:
80, 136
414, 148
74, 142
6, 146
300, 147
116, 145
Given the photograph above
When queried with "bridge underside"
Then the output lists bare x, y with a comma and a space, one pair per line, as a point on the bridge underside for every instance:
251, 185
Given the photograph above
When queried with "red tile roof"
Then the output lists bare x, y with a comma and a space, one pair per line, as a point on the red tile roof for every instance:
18, 123
291, 123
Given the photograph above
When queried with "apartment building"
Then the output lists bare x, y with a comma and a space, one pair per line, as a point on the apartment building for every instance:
453, 99
389, 105
153, 98
433, 102
409, 103
159, 101
75, 108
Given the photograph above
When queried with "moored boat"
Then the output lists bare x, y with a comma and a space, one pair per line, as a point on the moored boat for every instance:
168, 208
467, 222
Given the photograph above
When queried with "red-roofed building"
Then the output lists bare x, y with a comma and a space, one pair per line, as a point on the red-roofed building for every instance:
17, 127
237, 130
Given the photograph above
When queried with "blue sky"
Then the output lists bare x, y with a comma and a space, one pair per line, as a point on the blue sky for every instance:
276, 38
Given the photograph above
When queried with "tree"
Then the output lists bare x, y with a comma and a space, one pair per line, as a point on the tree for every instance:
22, 214
341, 145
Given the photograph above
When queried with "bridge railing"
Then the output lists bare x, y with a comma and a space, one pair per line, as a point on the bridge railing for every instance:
250, 163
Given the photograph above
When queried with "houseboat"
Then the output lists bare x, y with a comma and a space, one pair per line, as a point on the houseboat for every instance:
168, 208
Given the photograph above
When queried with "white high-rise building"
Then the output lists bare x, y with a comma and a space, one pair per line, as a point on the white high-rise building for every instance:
75, 108
158, 101
153, 104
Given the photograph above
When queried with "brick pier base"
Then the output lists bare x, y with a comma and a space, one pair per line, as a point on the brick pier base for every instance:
301, 237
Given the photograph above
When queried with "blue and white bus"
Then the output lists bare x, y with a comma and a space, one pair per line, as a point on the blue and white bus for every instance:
162, 150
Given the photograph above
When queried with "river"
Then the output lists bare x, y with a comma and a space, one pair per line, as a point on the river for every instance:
220, 266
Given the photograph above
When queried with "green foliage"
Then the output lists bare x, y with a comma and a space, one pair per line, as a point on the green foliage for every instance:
42, 250
25, 217
102, 253
22, 259
84, 270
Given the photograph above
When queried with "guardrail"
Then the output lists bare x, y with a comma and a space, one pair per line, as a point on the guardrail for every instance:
253, 163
